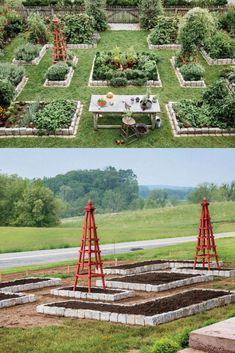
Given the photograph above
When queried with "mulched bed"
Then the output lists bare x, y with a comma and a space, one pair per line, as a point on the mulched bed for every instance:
22, 281
205, 268
144, 263
4, 296
154, 278
93, 290
155, 307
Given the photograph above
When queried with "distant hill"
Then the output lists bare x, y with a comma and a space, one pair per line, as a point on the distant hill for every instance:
174, 192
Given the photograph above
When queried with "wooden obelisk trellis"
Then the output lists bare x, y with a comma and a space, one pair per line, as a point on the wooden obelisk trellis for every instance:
206, 248
89, 254
59, 50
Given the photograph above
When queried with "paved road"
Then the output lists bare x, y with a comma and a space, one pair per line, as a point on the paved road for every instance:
46, 256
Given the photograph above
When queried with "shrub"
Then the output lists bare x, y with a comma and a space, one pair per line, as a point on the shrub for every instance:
55, 116
165, 345
27, 52
149, 10
57, 72
197, 25
37, 29
12, 73
226, 111
227, 20
79, 29
119, 82
216, 92
96, 9
165, 31
220, 46
192, 72
7, 92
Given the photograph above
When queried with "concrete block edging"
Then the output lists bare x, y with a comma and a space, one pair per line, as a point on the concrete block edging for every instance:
29, 286
21, 299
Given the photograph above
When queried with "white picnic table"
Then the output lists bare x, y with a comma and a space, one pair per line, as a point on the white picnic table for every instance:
120, 104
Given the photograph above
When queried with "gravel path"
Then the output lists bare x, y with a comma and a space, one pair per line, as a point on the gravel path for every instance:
124, 26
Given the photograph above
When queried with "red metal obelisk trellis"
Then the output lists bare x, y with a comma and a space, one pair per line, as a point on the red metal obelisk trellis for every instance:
59, 50
206, 248
89, 254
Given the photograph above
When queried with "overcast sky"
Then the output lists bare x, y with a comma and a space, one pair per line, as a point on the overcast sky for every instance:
178, 167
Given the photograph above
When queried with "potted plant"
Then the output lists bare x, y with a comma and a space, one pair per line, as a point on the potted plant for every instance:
146, 102
102, 102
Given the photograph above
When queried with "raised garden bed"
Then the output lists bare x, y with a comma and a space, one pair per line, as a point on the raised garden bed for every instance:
7, 299
183, 83
35, 61
162, 46
68, 79
155, 281
150, 313
16, 127
225, 272
146, 266
211, 61
193, 131
106, 72
28, 284
96, 294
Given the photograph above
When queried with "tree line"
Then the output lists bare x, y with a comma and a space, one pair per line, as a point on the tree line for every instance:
43, 202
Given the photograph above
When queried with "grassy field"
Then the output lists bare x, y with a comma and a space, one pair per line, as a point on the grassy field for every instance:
97, 337
79, 90
120, 227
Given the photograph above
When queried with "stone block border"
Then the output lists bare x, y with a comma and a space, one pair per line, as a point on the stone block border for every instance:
21, 85
33, 132
22, 299
137, 319
82, 46
162, 46
135, 270
92, 83
49, 282
219, 273
211, 61
191, 131
155, 288
183, 83
95, 296
35, 61
67, 81
147, 268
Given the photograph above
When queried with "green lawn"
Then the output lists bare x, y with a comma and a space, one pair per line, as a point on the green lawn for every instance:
74, 336
120, 227
79, 90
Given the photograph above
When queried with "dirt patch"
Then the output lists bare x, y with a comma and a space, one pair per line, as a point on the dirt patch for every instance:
4, 296
154, 278
22, 281
93, 290
150, 308
145, 263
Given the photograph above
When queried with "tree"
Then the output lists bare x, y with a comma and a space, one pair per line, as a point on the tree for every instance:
96, 9
149, 10
157, 199
38, 207
197, 26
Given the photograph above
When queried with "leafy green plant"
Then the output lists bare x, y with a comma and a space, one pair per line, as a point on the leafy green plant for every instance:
96, 9
216, 92
79, 29
12, 73
27, 52
196, 26
165, 345
183, 337
30, 114
192, 72
165, 31
119, 82
55, 116
57, 72
149, 10
220, 46
7, 92
227, 20
38, 32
